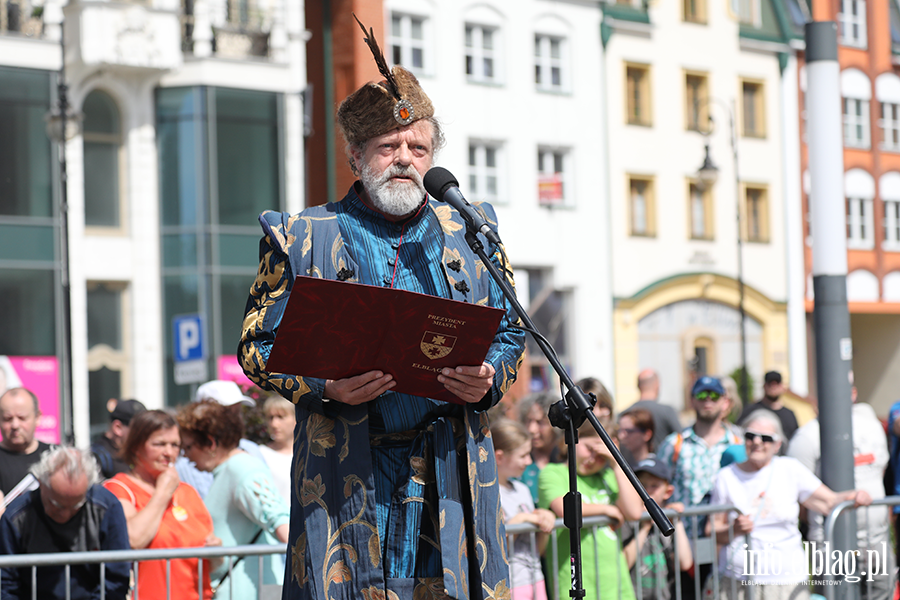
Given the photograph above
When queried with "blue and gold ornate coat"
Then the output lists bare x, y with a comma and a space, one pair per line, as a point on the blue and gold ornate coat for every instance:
345, 543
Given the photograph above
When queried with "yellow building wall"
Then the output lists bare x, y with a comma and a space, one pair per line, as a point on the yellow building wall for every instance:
628, 312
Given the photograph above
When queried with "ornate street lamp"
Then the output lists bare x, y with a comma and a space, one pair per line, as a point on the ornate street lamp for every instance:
707, 175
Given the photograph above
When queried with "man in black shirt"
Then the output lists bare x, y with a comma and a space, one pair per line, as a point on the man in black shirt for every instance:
19, 449
106, 447
773, 388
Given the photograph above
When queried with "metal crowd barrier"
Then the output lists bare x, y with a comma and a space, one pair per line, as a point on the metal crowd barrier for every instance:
704, 552
67, 559
884, 565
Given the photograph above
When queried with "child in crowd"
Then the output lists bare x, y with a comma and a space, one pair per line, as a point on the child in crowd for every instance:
650, 555
512, 448
605, 491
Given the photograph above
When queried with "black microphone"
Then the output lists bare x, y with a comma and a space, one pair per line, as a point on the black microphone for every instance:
442, 185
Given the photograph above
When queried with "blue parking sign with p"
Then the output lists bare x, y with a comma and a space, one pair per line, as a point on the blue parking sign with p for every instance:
188, 337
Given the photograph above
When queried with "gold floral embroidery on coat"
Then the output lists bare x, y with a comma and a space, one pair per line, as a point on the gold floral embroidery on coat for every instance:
500, 592
430, 588
374, 593
445, 218
320, 433
298, 560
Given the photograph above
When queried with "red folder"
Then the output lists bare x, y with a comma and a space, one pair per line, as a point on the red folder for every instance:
334, 329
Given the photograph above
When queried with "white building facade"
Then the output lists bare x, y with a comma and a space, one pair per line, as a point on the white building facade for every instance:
674, 236
518, 86
191, 123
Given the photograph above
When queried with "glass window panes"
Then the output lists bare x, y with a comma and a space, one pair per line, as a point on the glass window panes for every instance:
103, 384
104, 316
102, 153
407, 41
27, 312
26, 159
860, 232
247, 151
100, 114
856, 123
892, 224
852, 19
890, 126
101, 184
483, 171
548, 69
480, 58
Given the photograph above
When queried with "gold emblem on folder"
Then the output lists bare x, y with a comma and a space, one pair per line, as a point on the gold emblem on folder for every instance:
436, 345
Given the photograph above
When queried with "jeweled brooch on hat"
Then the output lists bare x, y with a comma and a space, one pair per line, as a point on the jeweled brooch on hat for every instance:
404, 112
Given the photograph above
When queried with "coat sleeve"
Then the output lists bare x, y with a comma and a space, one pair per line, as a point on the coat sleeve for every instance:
262, 316
114, 536
508, 348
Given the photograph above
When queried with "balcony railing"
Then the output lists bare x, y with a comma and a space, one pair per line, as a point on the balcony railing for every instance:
228, 28
20, 17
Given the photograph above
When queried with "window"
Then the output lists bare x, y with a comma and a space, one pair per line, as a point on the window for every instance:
637, 86
852, 19
550, 309
484, 165
860, 230
210, 194
695, 102
694, 11
856, 123
407, 42
700, 211
642, 204
481, 57
107, 360
548, 63
102, 161
746, 11
552, 176
889, 190
26, 159
753, 109
892, 225
755, 224
890, 126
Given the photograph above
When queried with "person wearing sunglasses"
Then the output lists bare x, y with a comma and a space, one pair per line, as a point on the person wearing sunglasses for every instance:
69, 512
768, 491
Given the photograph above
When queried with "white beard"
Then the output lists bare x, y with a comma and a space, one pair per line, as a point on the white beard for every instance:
390, 196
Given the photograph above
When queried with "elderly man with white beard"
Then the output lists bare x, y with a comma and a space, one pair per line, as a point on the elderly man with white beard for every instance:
394, 495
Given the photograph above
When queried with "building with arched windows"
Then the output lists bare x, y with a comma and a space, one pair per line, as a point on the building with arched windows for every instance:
186, 121
869, 45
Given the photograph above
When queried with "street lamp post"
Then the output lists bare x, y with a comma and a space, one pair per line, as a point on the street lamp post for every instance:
62, 125
707, 175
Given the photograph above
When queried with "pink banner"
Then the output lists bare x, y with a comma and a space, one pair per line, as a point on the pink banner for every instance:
40, 374
228, 368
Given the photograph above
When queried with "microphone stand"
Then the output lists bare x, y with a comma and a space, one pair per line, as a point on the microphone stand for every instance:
569, 414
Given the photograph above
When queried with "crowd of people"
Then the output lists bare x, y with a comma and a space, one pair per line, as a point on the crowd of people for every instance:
722, 456
125, 492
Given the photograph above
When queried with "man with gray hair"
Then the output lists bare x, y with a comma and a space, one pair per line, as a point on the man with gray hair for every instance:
69, 512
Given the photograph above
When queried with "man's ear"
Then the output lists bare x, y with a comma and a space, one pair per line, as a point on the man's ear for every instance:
117, 427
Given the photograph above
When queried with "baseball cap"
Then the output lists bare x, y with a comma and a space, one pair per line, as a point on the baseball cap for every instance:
125, 410
773, 377
655, 467
708, 384
222, 391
